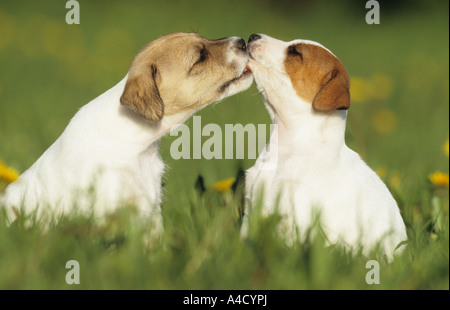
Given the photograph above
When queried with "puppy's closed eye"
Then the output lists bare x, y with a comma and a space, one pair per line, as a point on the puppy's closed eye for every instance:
203, 56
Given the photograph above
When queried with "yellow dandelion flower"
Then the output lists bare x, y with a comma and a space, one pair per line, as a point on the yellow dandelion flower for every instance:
223, 185
8, 27
381, 86
109, 54
381, 171
359, 90
439, 178
445, 148
7, 174
394, 180
30, 36
65, 43
384, 121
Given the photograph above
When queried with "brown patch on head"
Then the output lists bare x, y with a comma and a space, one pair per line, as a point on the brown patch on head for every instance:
318, 77
178, 72
141, 94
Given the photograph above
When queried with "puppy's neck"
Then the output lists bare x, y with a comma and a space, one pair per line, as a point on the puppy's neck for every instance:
134, 131
306, 132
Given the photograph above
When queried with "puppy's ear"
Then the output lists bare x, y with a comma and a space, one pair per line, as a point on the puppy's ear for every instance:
142, 95
334, 94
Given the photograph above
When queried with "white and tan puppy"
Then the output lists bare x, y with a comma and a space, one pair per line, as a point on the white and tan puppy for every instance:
108, 154
306, 91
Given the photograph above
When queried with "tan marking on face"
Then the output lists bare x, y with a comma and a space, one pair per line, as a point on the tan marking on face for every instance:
318, 76
181, 71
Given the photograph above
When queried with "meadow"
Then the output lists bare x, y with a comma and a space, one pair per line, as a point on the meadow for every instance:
398, 122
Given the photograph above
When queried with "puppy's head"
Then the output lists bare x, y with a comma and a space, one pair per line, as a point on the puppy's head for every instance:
299, 68
185, 72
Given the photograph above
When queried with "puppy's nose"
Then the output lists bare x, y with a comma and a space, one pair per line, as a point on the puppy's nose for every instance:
254, 37
240, 44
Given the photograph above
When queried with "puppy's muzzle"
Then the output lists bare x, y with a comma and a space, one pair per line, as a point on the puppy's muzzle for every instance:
251, 43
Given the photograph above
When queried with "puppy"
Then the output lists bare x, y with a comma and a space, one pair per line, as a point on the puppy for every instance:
108, 154
306, 91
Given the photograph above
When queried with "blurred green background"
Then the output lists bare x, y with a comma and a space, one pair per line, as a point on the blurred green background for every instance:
398, 120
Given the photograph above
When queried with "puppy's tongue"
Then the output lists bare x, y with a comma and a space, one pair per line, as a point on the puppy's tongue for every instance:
248, 68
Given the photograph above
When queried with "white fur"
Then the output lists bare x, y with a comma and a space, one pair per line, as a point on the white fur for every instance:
106, 157
106, 148
316, 173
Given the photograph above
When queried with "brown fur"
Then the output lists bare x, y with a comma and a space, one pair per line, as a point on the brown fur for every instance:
318, 77
142, 95
170, 75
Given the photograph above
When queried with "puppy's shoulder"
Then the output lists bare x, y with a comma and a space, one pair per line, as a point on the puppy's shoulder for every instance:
366, 180
354, 164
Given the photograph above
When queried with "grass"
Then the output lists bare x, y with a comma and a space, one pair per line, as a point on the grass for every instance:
398, 123
201, 249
